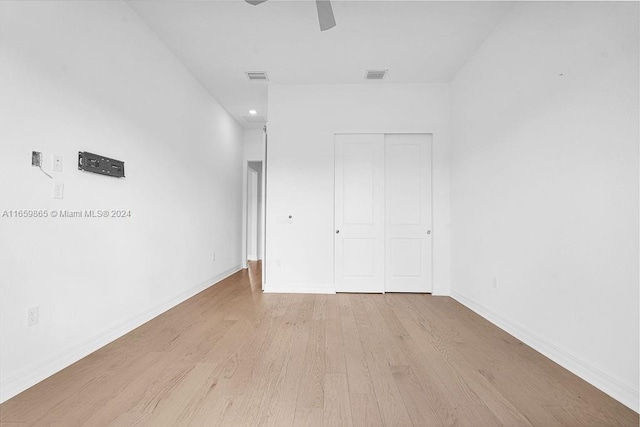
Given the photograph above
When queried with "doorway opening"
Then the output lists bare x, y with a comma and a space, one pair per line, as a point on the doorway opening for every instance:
254, 243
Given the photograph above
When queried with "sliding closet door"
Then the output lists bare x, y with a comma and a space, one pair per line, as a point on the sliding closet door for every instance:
408, 213
359, 213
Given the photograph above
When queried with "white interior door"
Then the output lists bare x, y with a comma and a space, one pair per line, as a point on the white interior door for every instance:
359, 213
408, 238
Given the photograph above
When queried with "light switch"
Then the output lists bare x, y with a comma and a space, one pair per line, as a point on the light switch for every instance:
56, 163
58, 190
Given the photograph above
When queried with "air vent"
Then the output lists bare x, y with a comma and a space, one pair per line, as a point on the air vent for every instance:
257, 76
375, 74
254, 119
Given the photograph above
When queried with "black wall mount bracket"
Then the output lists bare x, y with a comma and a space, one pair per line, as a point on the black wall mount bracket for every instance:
102, 165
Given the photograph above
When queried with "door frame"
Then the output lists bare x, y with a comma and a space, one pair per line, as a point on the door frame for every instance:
261, 214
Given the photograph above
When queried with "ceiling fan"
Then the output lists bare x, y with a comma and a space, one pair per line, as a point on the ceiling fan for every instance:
325, 13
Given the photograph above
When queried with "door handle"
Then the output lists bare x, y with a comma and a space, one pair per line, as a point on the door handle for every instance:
428, 231
337, 231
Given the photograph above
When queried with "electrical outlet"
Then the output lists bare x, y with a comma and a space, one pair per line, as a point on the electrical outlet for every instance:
56, 163
33, 316
36, 159
214, 257
58, 190
278, 263
495, 282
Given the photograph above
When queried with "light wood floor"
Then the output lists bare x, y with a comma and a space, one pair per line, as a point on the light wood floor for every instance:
233, 356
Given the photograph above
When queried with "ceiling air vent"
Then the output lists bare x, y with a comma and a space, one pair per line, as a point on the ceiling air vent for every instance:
258, 76
375, 74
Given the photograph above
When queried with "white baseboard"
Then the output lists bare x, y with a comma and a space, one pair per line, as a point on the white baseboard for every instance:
614, 387
288, 288
13, 383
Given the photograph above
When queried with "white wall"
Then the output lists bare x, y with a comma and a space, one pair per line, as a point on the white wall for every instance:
300, 171
545, 185
253, 145
78, 76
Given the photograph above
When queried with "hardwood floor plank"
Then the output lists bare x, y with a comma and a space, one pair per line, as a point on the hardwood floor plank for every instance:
320, 307
281, 406
388, 316
268, 377
311, 392
128, 419
282, 413
184, 400
387, 394
124, 396
239, 413
359, 309
414, 397
306, 416
477, 415
393, 354
294, 365
438, 395
337, 407
365, 411
335, 348
454, 384
355, 359
212, 410
159, 388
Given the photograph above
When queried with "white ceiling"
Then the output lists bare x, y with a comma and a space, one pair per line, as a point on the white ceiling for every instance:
417, 41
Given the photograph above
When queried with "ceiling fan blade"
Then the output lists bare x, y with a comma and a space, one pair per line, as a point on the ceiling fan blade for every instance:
255, 2
325, 15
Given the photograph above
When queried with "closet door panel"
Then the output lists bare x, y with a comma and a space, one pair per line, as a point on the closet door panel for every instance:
359, 213
408, 213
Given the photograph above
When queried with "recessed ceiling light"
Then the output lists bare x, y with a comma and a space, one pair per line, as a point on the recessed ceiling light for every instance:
253, 112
